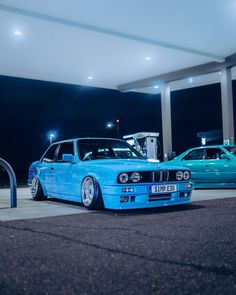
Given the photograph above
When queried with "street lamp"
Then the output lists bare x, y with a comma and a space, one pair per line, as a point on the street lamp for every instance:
110, 125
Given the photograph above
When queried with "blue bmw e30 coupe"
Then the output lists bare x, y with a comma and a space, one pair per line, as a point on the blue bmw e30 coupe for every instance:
101, 172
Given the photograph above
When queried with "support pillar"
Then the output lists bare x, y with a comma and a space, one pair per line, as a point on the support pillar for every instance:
227, 106
166, 121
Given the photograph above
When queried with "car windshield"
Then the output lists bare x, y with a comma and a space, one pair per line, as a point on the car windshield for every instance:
231, 149
94, 149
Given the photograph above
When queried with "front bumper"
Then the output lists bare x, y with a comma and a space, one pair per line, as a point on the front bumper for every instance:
139, 197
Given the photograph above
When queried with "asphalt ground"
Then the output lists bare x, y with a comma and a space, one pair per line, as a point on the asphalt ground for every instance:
187, 249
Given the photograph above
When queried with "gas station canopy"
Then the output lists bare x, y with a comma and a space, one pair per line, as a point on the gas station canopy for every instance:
110, 43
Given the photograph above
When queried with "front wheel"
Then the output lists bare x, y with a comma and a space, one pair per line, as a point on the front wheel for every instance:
37, 190
91, 194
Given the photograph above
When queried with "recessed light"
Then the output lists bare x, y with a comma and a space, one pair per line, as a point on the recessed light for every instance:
18, 33
156, 86
220, 73
90, 77
190, 80
147, 58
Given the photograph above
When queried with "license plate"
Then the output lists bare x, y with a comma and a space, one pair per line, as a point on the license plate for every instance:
164, 188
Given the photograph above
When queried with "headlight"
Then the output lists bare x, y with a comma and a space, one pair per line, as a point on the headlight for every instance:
123, 177
179, 175
135, 177
186, 175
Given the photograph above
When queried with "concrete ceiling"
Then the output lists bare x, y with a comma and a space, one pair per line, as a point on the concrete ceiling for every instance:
114, 42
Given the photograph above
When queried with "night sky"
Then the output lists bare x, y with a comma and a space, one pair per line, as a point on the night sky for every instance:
195, 110
30, 109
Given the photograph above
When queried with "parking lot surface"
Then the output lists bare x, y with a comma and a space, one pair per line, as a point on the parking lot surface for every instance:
28, 209
187, 249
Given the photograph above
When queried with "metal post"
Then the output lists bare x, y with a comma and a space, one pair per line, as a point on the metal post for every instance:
166, 120
118, 128
227, 106
12, 177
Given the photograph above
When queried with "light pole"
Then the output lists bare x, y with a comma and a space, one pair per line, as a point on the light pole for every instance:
51, 136
118, 128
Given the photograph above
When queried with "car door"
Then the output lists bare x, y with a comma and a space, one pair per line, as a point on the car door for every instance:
194, 161
64, 171
47, 175
217, 168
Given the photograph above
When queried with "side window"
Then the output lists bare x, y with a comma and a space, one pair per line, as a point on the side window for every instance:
197, 154
214, 153
65, 148
49, 156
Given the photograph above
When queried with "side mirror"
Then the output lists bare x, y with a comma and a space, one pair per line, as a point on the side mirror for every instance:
68, 158
225, 157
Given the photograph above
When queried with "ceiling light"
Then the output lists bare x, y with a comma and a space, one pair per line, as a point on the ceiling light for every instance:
147, 58
220, 73
90, 77
156, 86
190, 80
18, 33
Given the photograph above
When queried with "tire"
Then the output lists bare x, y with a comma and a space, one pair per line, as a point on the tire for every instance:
37, 190
91, 194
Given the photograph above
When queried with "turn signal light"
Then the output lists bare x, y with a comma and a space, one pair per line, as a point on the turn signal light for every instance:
127, 190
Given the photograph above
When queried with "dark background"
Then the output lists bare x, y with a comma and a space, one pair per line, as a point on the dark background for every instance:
195, 110
30, 109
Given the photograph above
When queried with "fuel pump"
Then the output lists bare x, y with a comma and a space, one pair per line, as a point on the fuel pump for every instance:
145, 142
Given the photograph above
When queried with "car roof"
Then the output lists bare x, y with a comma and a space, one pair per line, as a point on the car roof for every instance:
87, 138
214, 146
207, 146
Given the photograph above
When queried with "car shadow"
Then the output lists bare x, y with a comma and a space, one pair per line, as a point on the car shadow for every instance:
157, 210
128, 212
59, 201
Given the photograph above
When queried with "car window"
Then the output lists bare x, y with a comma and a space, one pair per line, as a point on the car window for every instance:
65, 148
94, 149
197, 154
214, 153
49, 156
123, 152
231, 149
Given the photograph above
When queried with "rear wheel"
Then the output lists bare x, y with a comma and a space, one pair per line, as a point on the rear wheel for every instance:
37, 190
91, 194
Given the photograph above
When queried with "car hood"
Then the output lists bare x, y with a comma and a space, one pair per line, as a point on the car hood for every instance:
129, 165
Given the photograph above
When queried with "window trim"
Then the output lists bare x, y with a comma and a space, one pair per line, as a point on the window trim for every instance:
55, 153
196, 149
219, 148
58, 150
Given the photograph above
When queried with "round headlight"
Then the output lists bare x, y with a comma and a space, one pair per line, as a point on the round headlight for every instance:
186, 175
123, 177
179, 175
135, 177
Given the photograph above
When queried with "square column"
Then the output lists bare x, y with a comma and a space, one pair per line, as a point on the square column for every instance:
227, 106
166, 120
